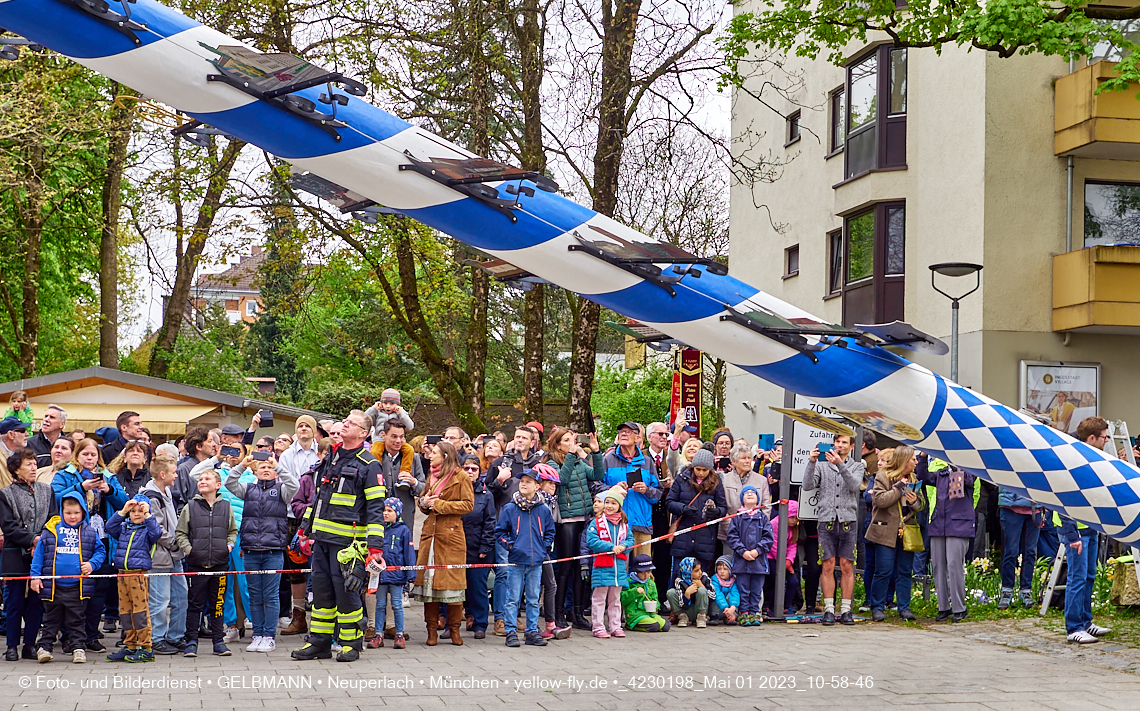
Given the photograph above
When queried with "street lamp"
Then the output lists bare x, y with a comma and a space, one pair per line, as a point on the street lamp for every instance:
955, 269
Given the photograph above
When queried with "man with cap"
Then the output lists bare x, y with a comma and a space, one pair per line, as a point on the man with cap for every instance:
639, 600
13, 436
628, 467
388, 407
297, 459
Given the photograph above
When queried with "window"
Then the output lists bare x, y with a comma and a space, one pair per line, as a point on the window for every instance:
873, 138
792, 260
1112, 213
793, 133
835, 262
838, 132
251, 308
868, 264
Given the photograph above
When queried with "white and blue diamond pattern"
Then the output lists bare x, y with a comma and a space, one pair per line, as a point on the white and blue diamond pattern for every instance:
170, 64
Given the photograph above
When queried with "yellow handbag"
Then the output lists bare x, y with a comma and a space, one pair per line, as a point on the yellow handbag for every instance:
911, 534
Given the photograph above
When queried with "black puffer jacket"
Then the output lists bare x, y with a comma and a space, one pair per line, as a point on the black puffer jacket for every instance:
691, 508
479, 525
205, 533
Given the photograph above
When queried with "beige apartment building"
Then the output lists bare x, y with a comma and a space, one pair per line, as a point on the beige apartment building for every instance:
903, 159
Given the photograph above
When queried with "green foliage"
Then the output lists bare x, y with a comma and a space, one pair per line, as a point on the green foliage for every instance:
811, 28
211, 358
340, 397
640, 395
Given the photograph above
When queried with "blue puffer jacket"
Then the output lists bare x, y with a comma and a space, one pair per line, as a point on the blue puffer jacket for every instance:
48, 559
609, 570
479, 525
527, 535
135, 541
750, 531
398, 551
1009, 497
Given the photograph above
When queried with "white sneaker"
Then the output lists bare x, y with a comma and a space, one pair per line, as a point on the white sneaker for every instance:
43, 656
231, 635
268, 644
1097, 630
249, 624
284, 621
255, 645
1082, 637
79, 656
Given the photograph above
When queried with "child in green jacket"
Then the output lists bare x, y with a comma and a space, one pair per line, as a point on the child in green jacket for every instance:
639, 615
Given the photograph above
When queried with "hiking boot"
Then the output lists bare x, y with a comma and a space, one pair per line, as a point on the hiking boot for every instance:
369, 633
1006, 599
500, 628
43, 656
513, 639
376, 642
535, 639
828, 618
399, 643
1026, 598
348, 653
298, 625
121, 655
312, 651
140, 656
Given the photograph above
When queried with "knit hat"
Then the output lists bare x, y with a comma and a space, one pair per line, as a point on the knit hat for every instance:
703, 458
617, 493
395, 504
390, 394
723, 559
747, 489
308, 420
141, 497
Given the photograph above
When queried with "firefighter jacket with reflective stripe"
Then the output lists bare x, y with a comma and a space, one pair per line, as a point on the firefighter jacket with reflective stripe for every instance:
349, 501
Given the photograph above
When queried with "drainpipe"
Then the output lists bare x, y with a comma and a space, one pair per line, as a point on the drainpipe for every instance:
1069, 190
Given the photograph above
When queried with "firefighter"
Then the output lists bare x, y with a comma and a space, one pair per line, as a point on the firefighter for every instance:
347, 509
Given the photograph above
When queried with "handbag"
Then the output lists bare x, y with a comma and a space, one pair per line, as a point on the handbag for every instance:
911, 535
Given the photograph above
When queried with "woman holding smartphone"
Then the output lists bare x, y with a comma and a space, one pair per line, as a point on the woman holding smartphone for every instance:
895, 499
578, 459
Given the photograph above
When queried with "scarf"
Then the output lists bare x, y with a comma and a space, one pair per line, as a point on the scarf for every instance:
607, 560
614, 518
526, 504
685, 570
725, 583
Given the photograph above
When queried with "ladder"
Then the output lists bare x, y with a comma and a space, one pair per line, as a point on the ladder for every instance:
1119, 439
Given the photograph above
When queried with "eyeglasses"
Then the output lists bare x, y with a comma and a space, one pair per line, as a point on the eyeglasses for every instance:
265, 446
473, 470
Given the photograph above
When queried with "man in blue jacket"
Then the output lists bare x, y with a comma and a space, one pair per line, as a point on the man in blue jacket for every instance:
1081, 553
621, 462
526, 530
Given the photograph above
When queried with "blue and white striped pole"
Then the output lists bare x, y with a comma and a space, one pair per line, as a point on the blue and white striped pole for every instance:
171, 59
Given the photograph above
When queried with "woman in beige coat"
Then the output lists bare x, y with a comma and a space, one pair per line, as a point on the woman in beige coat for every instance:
446, 497
895, 499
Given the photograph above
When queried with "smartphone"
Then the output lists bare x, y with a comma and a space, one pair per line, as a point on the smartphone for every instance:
766, 442
584, 440
633, 477
824, 447
228, 451
261, 456
266, 418
433, 439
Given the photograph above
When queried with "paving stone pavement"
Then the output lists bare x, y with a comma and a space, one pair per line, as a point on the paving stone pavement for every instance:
769, 667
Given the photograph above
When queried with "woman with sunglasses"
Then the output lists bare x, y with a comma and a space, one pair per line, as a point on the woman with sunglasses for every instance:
479, 530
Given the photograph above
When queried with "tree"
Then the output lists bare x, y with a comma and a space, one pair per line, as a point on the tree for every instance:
119, 138
1065, 28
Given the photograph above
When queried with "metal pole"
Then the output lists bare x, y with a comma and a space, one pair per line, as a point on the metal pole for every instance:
954, 340
785, 491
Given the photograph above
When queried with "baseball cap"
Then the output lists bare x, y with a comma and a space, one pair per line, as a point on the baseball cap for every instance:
629, 426
690, 429
233, 430
533, 424
641, 563
12, 424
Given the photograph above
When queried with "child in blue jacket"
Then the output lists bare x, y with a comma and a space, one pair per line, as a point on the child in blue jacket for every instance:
610, 534
727, 593
69, 545
526, 530
136, 532
750, 537
398, 552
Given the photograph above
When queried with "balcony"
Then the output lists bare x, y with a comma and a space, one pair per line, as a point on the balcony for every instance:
1097, 290
1091, 125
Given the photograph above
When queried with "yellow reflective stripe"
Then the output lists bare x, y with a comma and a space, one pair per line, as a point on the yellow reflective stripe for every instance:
324, 613
376, 529
374, 492
349, 617
307, 514
350, 635
339, 529
343, 499
322, 626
